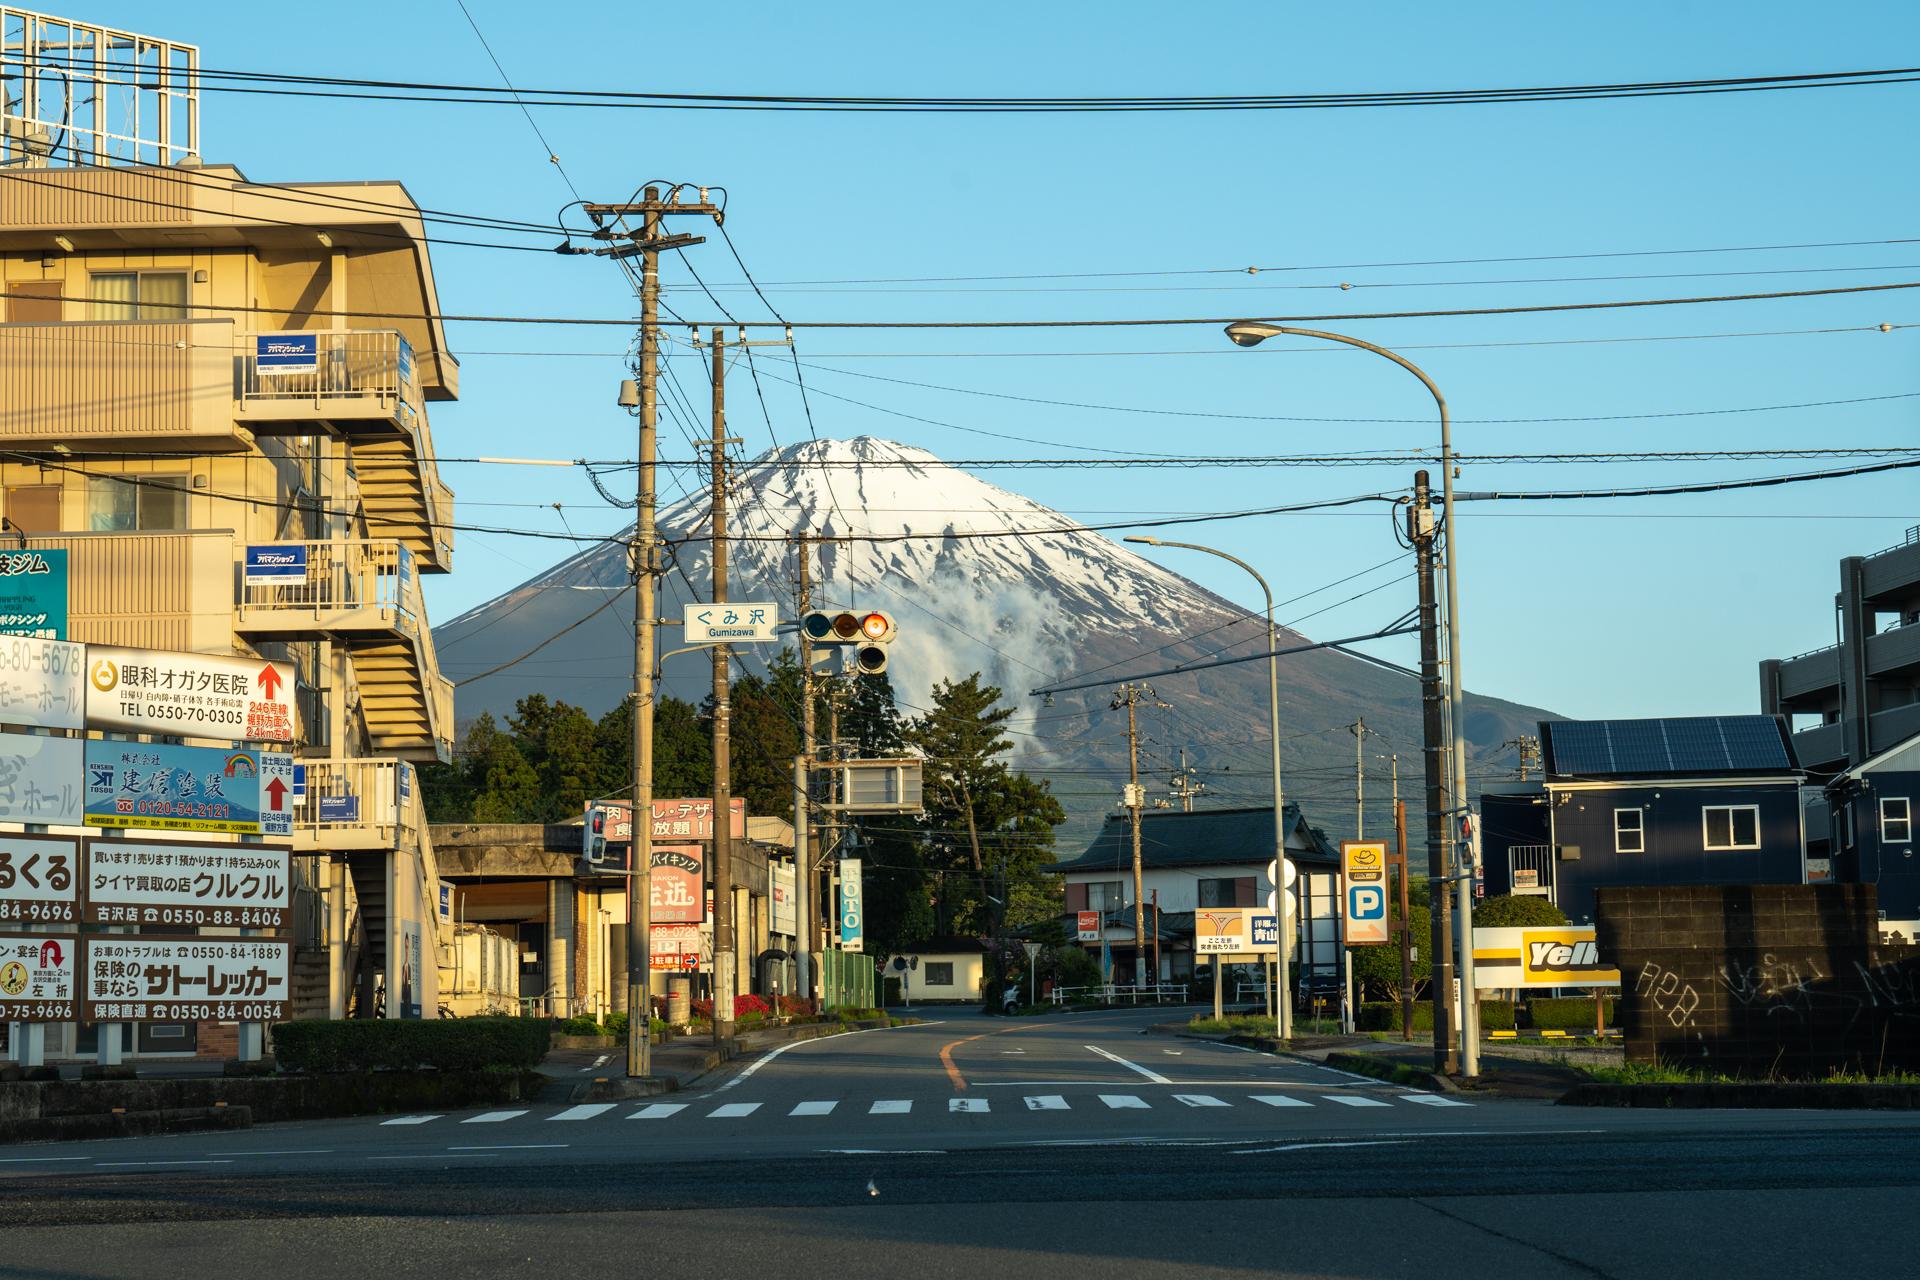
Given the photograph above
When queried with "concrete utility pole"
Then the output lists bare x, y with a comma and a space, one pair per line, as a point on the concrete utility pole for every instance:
802, 780
724, 977
1420, 531
1130, 697
1406, 920
1359, 729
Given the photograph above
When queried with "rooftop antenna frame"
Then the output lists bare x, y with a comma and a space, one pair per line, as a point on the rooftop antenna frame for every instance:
80, 95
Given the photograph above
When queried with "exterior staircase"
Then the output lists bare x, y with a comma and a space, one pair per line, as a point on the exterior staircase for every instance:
404, 499
309, 981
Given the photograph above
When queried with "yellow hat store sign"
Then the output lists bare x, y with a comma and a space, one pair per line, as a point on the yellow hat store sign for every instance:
1365, 864
1567, 956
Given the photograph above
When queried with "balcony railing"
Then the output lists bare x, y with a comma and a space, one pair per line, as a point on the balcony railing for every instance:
344, 374
358, 585
353, 804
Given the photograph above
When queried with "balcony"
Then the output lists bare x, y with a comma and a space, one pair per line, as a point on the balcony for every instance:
354, 381
159, 386
353, 804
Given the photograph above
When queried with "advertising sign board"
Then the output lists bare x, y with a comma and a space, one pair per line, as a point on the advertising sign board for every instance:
40, 779
39, 979
276, 564
412, 953
1264, 931
1564, 956
852, 907
780, 884
1365, 864
677, 883
138, 978
673, 820
43, 683
159, 786
173, 882
39, 880
33, 594
1089, 924
194, 695
276, 354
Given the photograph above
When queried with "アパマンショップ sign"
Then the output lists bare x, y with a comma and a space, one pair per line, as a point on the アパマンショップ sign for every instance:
167, 882
145, 979
193, 695
37, 978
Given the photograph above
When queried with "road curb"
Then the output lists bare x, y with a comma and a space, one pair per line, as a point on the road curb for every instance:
1756, 1096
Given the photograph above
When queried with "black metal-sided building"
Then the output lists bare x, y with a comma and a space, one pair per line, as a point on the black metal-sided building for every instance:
1690, 800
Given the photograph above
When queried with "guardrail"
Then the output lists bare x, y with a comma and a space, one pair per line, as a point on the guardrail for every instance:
343, 576
1115, 994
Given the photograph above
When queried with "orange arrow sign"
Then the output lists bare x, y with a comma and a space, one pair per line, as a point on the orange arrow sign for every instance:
270, 683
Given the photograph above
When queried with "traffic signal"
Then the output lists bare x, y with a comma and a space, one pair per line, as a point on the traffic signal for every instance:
594, 840
867, 631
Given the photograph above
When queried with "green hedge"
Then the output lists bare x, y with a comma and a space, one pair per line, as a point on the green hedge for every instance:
1568, 1014
1381, 1015
449, 1044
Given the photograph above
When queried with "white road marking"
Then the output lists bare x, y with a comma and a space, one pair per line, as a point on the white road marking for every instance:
1308, 1146
409, 1119
1048, 1102
1351, 1101
1199, 1100
658, 1111
597, 1063
492, 1117
587, 1112
974, 1105
1154, 1076
893, 1108
520, 1146
1121, 1101
129, 1164
733, 1110
771, 1054
1279, 1100
1431, 1100
813, 1109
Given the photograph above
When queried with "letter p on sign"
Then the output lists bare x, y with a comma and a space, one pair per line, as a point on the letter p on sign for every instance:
1366, 914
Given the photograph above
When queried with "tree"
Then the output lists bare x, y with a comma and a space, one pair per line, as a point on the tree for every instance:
1377, 968
1515, 911
508, 787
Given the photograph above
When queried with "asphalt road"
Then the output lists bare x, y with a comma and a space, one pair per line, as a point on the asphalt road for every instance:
980, 1145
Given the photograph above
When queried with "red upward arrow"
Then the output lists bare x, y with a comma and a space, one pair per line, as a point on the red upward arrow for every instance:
276, 789
270, 683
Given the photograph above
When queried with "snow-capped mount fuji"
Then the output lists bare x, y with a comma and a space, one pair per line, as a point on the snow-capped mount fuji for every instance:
979, 579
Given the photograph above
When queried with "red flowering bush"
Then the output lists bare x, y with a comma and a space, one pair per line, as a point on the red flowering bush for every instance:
792, 1006
743, 1007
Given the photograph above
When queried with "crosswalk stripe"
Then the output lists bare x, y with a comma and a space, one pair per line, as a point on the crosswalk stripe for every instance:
1048, 1102
732, 1110
1279, 1100
1431, 1100
813, 1109
658, 1111
894, 1108
409, 1119
1199, 1100
1120, 1101
974, 1105
587, 1112
1352, 1101
492, 1117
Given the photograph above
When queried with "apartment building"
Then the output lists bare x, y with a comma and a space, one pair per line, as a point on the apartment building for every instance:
236, 461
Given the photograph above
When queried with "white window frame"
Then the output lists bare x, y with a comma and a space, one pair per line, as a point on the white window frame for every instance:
1905, 820
1728, 809
1638, 832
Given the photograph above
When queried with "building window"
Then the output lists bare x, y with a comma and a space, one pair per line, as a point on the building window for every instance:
1896, 820
137, 295
1629, 832
938, 975
121, 506
1732, 826
1216, 893
1106, 895
34, 508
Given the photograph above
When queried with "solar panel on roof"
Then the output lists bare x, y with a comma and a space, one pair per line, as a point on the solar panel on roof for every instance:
1693, 744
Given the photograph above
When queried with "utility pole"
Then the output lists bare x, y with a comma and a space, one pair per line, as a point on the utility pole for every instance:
1420, 531
1406, 920
643, 564
724, 976
1184, 784
803, 779
1130, 697
1359, 730
1529, 746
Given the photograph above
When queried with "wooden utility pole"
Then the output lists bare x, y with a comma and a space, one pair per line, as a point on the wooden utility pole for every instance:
724, 976
1421, 533
1359, 730
1130, 697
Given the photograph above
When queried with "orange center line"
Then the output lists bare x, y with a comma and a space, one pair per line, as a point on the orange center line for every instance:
946, 1052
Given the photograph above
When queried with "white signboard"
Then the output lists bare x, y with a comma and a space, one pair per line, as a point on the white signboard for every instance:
169, 882
144, 979
42, 780
193, 695
39, 880
785, 920
43, 683
37, 978
730, 623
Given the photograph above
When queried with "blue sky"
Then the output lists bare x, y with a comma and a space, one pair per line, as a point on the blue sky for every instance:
1613, 608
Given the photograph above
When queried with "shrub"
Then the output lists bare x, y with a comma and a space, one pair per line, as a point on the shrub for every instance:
795, 1006
617, 1024
1568, 1014
1514, 911
1382, 1015
581, 1026
377, 1044
743, 1007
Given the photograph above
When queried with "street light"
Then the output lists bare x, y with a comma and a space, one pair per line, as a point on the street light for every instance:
1250, 333
1283, 1007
